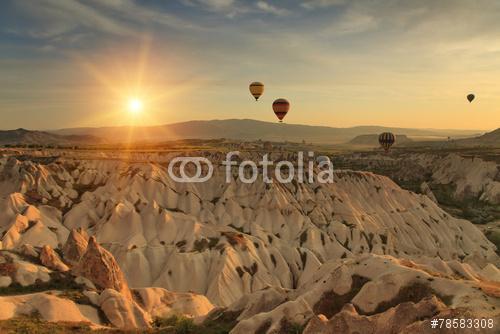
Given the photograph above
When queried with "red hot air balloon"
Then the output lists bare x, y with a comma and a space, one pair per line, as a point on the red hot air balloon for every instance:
281, 107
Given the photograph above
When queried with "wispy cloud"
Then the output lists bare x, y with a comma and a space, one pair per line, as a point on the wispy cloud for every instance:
268, 8
58, 17
52, 19
229, 8
218, 4
353, 22
233, 8
313, 4
131, 11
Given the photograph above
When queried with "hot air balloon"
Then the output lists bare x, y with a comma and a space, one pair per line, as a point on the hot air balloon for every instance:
256, 89
281, 107
470, 97
386, 140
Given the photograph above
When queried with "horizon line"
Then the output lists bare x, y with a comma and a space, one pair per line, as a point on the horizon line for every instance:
244, 119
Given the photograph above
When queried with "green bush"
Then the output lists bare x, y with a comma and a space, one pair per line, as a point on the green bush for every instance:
179, 324
33, 325
494, 237
58, 281
217, 323
294, 328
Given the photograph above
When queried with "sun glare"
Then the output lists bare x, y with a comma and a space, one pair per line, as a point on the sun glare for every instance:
134, 106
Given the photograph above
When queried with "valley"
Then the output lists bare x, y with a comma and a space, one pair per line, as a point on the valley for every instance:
267, 257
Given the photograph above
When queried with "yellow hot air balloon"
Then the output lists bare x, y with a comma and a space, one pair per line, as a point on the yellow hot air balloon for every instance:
256, 89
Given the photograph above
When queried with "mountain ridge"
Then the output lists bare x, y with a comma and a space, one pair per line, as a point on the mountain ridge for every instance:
248, 129
28, 137
240, 129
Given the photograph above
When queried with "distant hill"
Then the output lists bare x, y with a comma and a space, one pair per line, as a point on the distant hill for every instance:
29, 137
490, 139
247, 129
372, 140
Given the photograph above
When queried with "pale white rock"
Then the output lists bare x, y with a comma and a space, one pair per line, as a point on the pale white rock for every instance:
8, 308
491, 272
273, 252
50, 259
469, 175
91, 313
426, 190
5, 281
50, 307
28, 273
86, 282
160, 231
75, 246
123, 312
93, 296
29, 250
368, 282
159, 302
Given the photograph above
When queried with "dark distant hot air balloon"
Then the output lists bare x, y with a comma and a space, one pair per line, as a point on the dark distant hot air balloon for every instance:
470, 97
386, 140
281, 107
256, 89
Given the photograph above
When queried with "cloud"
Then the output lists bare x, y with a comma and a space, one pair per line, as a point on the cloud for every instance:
129, 10
268, 8
353, 22
314, 4
232, 8
229, 8
218, 4
51, 18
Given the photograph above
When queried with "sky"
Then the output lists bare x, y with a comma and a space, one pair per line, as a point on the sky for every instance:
340, 63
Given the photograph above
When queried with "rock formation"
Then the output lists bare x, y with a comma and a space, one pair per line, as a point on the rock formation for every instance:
50, 259
122, 311
372, 294
99, 266
357, 254
398, 319
75, 246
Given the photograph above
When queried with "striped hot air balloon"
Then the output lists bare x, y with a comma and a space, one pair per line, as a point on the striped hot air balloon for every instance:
256, 89
386, 140
281, 107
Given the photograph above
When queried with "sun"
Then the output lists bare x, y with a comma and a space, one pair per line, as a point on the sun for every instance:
135, 105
